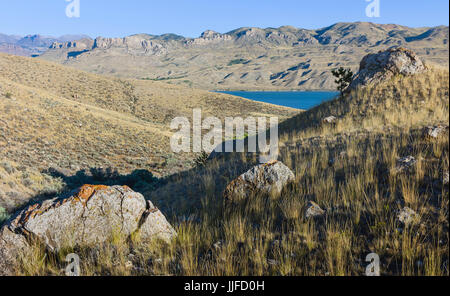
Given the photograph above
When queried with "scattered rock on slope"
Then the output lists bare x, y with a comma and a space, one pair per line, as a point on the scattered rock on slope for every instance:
329, 119
313, 210
445, 178
266, 178
435, 131
386, 64
407, 216
405, 164
89, 216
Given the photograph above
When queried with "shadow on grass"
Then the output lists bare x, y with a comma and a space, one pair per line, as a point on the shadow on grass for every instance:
176, 195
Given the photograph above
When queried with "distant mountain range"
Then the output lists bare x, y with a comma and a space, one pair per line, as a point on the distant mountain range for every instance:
32, 45
247, 58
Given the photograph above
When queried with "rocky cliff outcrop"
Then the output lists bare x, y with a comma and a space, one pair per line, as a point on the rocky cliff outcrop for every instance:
81, 44
284, 58
131, 43
386, 64
209, 37
89, 216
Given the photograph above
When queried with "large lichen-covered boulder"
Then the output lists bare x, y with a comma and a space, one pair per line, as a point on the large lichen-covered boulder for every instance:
89, 216
270, 177
386, 64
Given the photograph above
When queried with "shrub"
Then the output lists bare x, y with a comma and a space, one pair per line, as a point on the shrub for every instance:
3, 215
201, 159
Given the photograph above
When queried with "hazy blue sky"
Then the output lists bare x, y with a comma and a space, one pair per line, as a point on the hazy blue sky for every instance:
114, 18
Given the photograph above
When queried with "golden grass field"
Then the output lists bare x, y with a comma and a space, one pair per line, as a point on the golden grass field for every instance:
347, 168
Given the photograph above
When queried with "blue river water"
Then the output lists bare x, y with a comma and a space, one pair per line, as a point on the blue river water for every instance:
295, 99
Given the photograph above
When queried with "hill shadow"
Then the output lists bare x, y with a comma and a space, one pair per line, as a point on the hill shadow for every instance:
138, 180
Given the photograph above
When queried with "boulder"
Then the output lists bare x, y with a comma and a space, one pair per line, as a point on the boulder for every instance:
313, 210
386, 64
270, 177
89, 216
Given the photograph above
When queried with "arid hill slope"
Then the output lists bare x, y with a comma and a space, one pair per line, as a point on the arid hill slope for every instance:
57, 117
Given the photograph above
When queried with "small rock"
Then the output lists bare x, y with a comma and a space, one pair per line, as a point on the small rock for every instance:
329, 119
276, 243
445, 178
129, 265
313, 210
407, 216
405, 164
218, 245
272, 262
435, 131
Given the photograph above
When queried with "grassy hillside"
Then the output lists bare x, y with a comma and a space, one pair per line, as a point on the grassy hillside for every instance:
73, 122
348, 168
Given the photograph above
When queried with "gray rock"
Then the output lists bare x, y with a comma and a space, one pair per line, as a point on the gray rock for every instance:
155, 225
329, 119
218, 245
407, 216
405, 164
386, 64
266, 178
11, 244
435, 132
313, 210
89, 216
445, 178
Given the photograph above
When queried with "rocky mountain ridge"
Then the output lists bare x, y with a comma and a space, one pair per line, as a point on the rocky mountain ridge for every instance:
341, 34
285, 58
32, 45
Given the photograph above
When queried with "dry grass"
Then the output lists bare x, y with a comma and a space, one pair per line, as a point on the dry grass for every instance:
346, 168
57, 117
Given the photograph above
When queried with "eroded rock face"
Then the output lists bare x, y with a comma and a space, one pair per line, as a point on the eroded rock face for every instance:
89, 216
209, 37
131, 43
386, 64
78, 44
270, 177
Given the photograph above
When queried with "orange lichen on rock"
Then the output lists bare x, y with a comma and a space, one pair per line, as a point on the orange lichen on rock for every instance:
272, 162
86, 191
126, 188
30, 213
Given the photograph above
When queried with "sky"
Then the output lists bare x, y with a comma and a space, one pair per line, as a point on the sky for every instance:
118, 18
